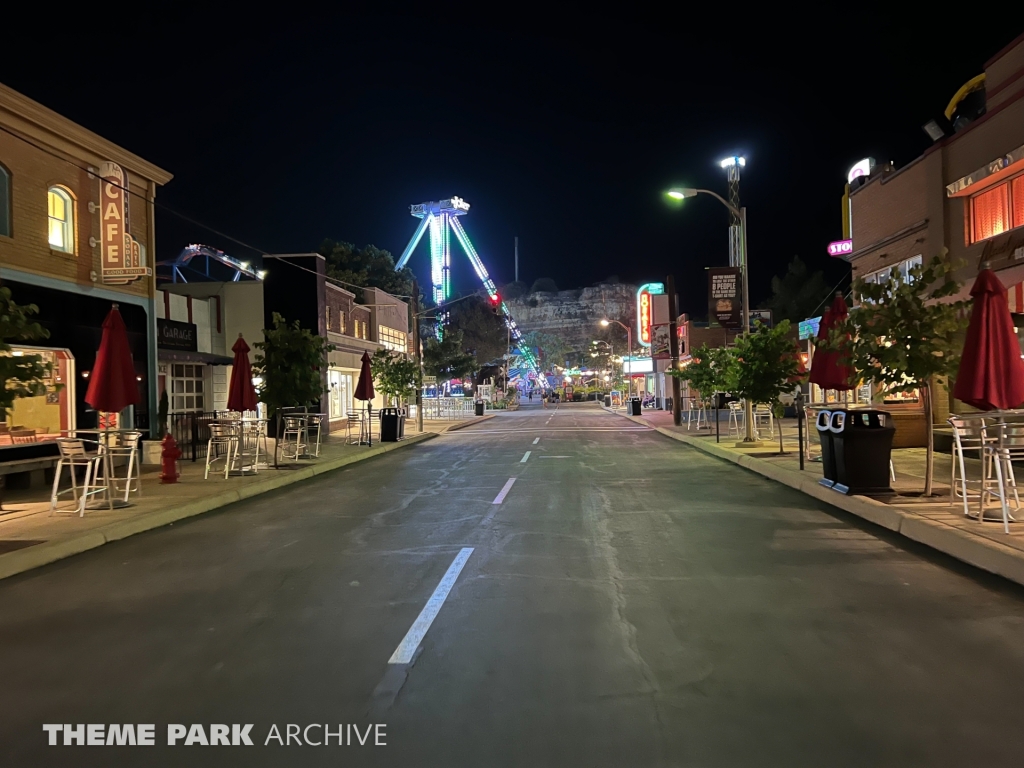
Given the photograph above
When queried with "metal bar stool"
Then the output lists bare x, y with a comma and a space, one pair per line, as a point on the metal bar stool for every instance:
73, 454
222, 435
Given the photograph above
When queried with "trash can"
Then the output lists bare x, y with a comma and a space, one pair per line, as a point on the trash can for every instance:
402, 415
828, 453
862, 447
635, 406
389, 419
479, 408
607, 401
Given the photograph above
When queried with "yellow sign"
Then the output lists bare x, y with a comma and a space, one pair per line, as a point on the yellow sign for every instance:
120, 253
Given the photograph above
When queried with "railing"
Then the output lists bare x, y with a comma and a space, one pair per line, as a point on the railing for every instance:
191, 432
447, 407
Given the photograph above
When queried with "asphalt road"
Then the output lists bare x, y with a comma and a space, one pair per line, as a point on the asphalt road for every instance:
630, 602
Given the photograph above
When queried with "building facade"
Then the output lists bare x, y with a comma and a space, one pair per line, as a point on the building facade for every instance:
77, 236
964, 194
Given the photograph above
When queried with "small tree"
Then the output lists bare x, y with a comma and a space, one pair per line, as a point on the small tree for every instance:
289, 366
902, 335
712, 371
768, 365
395, 375
445, 358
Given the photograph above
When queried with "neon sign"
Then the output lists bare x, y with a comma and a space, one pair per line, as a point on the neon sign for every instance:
840, 248
862, 168
643, 309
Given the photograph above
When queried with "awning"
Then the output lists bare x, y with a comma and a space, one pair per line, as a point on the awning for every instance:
185, 356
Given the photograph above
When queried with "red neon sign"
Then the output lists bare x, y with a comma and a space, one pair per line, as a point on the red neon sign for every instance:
645, 317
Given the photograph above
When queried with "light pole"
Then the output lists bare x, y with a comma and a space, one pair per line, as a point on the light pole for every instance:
611, 350
629, 345
681, 193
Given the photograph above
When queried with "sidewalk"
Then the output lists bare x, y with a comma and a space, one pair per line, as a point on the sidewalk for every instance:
935, 523
30, 536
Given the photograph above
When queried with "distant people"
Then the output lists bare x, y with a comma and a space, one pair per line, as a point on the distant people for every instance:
531, 395
544, 398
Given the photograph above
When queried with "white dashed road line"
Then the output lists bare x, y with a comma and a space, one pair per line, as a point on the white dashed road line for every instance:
536, 440
525, 457
504, 491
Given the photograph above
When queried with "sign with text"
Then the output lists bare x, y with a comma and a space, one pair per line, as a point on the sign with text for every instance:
120, 254
171, 334
661, 347
839, 248
644, 310
724, 305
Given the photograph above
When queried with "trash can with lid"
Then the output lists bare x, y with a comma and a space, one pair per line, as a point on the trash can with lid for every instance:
828, 454
403, 414
634, 406
862, 446
479, 411
389, 418
607, 401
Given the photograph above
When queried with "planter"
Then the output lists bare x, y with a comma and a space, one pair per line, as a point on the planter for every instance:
151, 450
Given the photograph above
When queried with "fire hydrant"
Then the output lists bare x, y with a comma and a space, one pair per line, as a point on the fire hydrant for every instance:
169, 455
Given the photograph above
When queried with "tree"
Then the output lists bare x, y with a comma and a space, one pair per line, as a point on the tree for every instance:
768, 365
902, 335
395, 375
484, 334
797, 294
445, 359
289, 366
712, 371
368, 267
545, 284
22, 375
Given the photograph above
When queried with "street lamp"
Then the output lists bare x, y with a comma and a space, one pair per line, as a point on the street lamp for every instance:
629, 343
681, 193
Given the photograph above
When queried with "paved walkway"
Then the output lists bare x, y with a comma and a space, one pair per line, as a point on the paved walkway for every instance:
936, 523
30, 536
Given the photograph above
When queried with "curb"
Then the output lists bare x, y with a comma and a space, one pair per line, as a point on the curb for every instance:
26, 559
967, 547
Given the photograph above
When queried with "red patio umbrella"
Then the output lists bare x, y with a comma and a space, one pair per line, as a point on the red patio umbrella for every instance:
112, 383
241, 392
364, 389
826, 370
991, 374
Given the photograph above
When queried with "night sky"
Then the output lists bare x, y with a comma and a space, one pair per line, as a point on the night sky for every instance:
565, 134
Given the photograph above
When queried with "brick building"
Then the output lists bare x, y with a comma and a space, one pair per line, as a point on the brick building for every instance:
965, 193
76, 236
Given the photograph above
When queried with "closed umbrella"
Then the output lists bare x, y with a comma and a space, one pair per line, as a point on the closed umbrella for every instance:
241, 392
112, 383
991, 374
364, 391
826, 369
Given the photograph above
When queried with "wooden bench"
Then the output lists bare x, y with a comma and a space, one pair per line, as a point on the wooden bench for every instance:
35, 468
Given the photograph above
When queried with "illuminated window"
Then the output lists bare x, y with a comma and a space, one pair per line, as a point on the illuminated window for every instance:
186, 388
392, 339
328, 317
5, 202
340, 400
61, 211
341, 322
990, 212
1017, 200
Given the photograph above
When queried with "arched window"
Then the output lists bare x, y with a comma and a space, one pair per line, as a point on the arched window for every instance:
5, 202
61, 209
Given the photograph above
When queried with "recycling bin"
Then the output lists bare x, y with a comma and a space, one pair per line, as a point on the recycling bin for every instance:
479, 408
828, 451
862, 447
402, 415
635, 406
389, 425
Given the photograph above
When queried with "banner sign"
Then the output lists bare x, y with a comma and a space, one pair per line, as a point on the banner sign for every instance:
661, 347
120, 253
724, 297
839, 248
809, 328
762, 315
644, 309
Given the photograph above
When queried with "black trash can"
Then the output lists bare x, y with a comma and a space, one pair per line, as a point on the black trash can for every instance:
608, 401
479, 408
635, 406
828, 451
862, 446
389, 419
402, 415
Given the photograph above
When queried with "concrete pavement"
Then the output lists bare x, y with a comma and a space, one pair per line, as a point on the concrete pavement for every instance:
627, 601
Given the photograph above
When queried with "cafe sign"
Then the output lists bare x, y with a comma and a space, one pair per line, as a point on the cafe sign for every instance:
171, 334
120, 253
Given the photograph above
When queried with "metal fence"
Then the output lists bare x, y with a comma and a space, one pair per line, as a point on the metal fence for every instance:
191, 431
447, 407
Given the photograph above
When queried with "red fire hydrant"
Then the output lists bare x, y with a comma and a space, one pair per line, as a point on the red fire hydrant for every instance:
169, 455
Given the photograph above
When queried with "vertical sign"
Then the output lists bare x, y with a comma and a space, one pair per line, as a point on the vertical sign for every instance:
661, 345
644, 309
724, 306
120, 254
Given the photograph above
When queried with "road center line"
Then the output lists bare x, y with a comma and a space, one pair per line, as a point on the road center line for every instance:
525, 457
504, 491
536, 440
407, 648
554, 457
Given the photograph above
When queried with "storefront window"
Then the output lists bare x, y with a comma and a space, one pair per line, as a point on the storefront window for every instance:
187, 387
49, 415
341, 393
392, 339
990, 213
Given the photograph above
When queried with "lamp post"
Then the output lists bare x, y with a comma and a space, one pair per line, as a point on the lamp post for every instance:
611, 350
629, 345
681, 193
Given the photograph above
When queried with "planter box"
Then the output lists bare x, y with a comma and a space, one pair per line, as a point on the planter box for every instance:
151, 452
